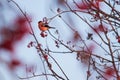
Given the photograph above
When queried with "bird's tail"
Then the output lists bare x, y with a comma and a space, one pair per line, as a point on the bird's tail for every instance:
52, 27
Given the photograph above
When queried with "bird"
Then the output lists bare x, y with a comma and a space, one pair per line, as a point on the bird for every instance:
43, 26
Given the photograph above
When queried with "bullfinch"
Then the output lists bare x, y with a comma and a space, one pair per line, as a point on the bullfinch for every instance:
43, 26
